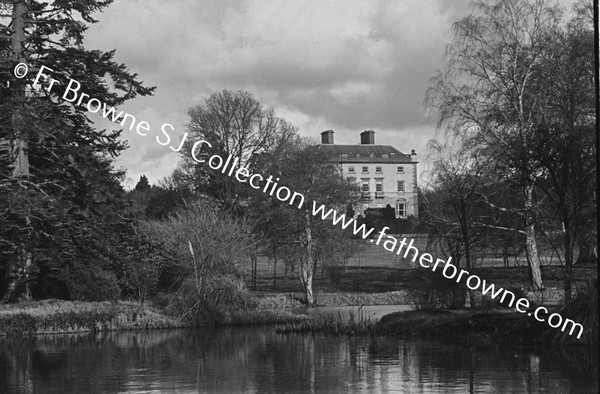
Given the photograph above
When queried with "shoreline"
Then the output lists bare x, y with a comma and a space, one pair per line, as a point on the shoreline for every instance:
467, 327
50, 317
474, 328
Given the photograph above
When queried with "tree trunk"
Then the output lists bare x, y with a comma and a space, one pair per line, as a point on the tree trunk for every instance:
254, 269
20, 167
464, 224
28, 262
308, 290
20, 153
275, 271
568, 272
13, 278
586, 242
533, 258
306, 266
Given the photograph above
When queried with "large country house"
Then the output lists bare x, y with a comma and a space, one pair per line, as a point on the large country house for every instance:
386, 175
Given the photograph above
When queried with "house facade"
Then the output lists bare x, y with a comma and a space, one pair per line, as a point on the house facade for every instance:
385, 175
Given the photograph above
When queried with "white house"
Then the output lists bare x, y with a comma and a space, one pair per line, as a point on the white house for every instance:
386, 175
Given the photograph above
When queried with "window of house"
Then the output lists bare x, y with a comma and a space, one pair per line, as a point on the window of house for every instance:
379, 185
351, 169
351, 179
378, 170
400, 210
401, 186
365, 185
365, 170
400, 170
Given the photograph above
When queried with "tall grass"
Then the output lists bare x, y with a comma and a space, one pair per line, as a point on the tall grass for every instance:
357, 324
51, 317
583, 309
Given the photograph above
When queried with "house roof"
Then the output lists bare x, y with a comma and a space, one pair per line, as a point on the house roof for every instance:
365, 152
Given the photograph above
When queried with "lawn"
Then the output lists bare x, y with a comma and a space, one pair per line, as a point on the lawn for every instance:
377, 270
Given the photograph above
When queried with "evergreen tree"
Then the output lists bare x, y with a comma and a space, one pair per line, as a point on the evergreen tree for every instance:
60, 197
143, 184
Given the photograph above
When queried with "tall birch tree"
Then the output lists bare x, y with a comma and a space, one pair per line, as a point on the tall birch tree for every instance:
488, 95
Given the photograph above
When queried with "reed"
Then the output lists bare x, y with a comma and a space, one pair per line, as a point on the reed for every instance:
53, 317
357, 324
583, 308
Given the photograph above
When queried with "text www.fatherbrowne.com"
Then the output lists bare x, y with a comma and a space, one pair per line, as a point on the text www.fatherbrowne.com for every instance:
270, 186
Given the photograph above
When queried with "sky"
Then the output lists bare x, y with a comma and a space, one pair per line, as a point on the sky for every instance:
345, 65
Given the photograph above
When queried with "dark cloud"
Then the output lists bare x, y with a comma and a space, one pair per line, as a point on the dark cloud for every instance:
347, 65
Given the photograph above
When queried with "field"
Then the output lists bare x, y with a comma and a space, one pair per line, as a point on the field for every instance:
376, 270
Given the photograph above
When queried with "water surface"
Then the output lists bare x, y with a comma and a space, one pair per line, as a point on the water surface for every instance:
258, 360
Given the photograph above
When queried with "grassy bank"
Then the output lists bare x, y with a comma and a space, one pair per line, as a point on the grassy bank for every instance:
53, 316
270, 301
257, 316
471, 328
56, 317
61, 317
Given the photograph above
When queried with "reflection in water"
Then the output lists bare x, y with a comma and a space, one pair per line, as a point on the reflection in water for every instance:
259, 360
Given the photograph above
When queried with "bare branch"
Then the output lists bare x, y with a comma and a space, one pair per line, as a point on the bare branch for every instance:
499, 227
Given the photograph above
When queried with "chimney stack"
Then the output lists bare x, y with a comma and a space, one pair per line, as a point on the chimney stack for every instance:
367, 137
327, 137
413, 155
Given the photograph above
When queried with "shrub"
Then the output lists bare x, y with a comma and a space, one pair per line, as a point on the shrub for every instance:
435, 292
486, 302
208, 304
90, 283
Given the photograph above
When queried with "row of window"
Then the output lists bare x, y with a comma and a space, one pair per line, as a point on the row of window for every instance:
358, 155
378, 185
378, 170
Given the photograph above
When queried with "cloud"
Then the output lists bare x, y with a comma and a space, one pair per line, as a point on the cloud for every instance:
342, 65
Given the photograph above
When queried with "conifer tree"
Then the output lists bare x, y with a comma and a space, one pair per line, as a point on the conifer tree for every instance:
59, 192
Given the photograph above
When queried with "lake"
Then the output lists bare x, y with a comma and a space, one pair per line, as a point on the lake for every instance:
258, 360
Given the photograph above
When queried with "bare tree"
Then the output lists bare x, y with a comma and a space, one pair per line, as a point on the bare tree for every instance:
208, 247
488, 94
457, 182
307, 171
235, 124
566, 140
